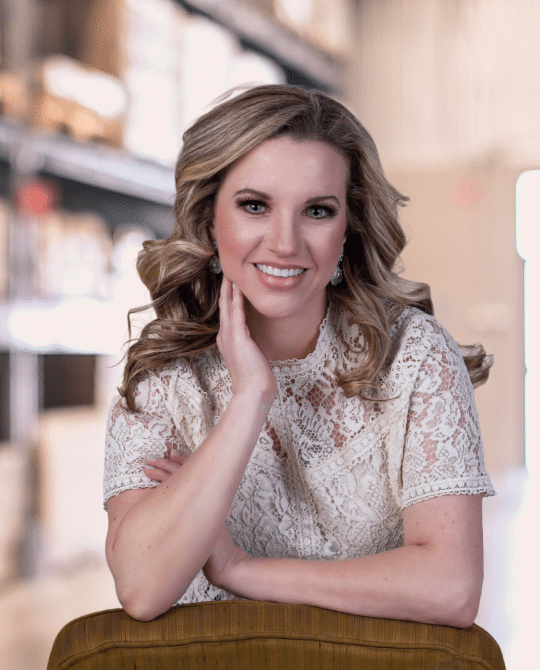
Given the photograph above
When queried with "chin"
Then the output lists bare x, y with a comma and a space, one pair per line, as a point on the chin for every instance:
274, 311
281, 307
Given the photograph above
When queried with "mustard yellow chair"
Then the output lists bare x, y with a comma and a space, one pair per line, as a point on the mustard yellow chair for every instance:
249, 635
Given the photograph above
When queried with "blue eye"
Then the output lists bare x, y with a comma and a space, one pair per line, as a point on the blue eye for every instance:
252, 206
320, 212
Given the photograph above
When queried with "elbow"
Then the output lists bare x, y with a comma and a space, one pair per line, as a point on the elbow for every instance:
140, 608
460, 618
138, 597
145, 600
141, 613
460, 606
138, 613
465, 615
139, 603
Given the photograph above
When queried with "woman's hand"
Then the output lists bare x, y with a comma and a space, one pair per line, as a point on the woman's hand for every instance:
225, 555
159, 469
247, 365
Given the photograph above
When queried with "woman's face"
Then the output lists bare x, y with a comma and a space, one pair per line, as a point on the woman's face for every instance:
279, 222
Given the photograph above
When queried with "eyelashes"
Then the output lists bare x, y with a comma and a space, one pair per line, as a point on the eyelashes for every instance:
260, 207
329, 211
246, 203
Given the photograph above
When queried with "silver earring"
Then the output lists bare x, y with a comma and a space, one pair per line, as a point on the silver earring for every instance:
338, 274
215, 264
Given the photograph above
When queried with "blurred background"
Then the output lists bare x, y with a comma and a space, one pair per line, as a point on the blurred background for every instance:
94, 97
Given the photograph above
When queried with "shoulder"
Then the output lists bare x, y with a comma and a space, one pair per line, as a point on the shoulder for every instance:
414, 333
150, 396
184, 376
189, 394
154, 385
418, 333
194, 375
422, 351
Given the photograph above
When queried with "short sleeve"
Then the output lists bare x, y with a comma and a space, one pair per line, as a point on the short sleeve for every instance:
132, 436
443, 451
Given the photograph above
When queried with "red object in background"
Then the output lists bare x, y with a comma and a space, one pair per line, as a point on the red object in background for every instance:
37, 196
468, 192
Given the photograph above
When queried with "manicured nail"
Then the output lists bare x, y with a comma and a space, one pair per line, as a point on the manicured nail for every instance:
149, 467
176, 453
233, 285
152, 457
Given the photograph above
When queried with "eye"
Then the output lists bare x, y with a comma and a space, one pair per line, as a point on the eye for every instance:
321, 211
252, 206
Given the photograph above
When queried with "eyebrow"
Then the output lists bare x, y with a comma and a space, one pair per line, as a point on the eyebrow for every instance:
265, 196
252, 191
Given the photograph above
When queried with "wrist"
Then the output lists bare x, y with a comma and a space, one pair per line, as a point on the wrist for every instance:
231, 577
260, 578
255, 399
227, 575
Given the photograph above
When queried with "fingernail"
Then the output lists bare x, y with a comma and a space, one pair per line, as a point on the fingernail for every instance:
176, 453
152, 457
233, 285
149, 467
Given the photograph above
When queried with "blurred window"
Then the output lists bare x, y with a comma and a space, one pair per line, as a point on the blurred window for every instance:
528, 247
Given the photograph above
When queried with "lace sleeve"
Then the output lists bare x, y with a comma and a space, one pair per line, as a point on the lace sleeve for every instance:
131, 436
443, 447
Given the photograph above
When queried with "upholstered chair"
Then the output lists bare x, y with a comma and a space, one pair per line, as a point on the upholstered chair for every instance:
249, 635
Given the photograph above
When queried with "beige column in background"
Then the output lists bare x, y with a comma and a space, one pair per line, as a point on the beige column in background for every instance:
449, 92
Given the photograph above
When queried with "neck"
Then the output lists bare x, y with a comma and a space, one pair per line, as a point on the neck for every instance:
283, 339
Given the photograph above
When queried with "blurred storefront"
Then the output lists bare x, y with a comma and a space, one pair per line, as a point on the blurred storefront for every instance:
94, 98
94, 107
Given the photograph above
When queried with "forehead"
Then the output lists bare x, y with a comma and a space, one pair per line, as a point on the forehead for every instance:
290, 165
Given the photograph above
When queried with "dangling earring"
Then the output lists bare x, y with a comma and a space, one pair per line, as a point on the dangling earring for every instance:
215, 264
338, 274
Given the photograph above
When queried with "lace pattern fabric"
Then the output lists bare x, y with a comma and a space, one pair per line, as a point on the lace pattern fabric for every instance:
329, 476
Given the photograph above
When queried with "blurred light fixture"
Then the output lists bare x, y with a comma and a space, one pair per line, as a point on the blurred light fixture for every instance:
93, 89
80, 324
298, 12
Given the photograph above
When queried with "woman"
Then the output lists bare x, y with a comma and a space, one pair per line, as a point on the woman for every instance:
309, 438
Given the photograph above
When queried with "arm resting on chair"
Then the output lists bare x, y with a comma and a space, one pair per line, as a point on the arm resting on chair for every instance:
435, 578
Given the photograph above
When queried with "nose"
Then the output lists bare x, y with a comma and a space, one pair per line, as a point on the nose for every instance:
283, 235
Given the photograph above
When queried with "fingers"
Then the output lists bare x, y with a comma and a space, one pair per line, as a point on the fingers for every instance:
228, 307
229, 296
237, 313
154, 474
225, 298
178, 456
232, 316
159, 469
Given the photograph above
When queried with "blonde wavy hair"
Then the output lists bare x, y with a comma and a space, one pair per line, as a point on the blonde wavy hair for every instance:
176, 270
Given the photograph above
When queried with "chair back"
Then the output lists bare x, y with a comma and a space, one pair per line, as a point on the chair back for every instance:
249, 635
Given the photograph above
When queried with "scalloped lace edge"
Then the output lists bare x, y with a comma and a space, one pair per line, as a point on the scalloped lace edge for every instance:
458, 488
112, 492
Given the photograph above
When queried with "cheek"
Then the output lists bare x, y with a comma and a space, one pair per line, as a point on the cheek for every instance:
235, 242
333, 246
235, 239
331, 259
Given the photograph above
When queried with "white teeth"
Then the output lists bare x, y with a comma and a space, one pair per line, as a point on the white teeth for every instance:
277, 272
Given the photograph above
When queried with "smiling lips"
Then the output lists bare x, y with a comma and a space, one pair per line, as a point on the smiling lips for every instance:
280, 272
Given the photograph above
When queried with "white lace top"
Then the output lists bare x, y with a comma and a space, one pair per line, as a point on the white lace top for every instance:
330, 475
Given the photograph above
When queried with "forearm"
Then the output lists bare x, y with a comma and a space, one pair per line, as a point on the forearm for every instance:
164, 540
414, 583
